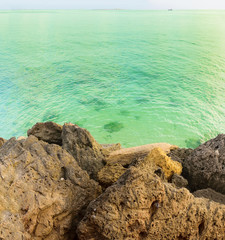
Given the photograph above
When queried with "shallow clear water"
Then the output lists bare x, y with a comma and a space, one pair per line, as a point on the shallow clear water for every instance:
133, 77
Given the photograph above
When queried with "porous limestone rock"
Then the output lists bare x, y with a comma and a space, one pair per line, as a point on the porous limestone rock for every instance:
160, 159
43, 191
180, 154
179, 181
2, 141
210, 194
113, 170
205, 166
48, 131
127, 156
110, 174
109, 148
141, 206
83, 147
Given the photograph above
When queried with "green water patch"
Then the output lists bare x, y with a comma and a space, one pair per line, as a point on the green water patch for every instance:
193, 142
81, 123
124, 112
97, 103
142, 100
50, 115
113, 127
120, 102
137, 117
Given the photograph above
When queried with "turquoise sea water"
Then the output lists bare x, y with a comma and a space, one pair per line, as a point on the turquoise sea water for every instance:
133, 77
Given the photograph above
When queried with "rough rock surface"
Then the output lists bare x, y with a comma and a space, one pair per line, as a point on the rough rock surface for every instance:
43, 191
83, 147
127, 156
110, 174
109, 148
160, 159
141, 206
205, 166
2, 141
48, 131
210, 194
179, 181
112, 171
180, 154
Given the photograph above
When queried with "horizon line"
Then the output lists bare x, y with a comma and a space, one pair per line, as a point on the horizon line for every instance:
115, 9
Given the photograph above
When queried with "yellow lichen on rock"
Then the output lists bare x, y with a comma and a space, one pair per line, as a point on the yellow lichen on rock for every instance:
160, 159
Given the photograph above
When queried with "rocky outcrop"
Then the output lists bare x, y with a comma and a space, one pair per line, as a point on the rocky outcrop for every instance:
205, 166
2, 141
210, 194
83, 147
141, 206
44, 192
112, 171
127, 156
49, 132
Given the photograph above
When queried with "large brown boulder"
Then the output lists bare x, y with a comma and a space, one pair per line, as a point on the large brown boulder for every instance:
43, 191
48, 131
205, 166
141, 206
83, 147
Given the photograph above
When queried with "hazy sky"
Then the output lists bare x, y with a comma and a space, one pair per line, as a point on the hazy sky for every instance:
106, 4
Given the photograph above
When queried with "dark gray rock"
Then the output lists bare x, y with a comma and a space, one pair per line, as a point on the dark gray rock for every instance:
49, 132
205, 166
210, 194
180, 154
179, 181
83, 147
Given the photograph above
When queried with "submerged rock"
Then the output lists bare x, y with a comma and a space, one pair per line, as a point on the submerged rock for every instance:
43, 191
141, 206
83, 147
205, 166
113, 127
49, 132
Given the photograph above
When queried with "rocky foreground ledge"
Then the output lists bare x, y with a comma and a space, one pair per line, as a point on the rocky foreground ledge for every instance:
60, 184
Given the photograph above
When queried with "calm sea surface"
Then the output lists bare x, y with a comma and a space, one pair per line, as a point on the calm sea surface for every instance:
133, 77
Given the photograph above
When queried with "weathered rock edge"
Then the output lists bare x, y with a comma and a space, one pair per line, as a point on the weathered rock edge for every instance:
44, 192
